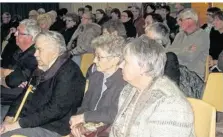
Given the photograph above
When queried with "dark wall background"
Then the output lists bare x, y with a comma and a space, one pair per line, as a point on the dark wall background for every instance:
23, 9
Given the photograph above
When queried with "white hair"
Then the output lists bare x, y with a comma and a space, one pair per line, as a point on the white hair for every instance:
149, 54
56, 41
160, 33
31, 27
188, 13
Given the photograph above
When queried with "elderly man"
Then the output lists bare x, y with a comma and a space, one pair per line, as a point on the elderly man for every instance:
25, 61
191, 45
59, 91
84, 34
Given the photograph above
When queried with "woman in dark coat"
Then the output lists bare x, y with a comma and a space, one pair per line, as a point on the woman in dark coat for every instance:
127, 20
72, 22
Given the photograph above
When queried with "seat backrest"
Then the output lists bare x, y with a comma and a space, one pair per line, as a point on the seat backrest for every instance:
206, 69
204, 117
213, 92
18, 136
86, 61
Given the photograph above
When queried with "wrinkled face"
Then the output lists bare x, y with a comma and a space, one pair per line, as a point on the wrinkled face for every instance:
135, 12
185, 23
218, 24
124, 17
22, 38
69, 22
99, 15
148, 20
104, 61
149, 9
6, 19
85, 19
44, 55
130, 69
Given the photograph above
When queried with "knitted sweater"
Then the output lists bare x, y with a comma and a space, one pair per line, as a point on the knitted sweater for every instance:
192, 50
159, 111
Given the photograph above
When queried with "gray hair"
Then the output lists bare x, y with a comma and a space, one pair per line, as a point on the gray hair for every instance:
160, 32
149, 54
115, 25
55, 39
112, 44
188, 13
31, 27
74, 17
41, 11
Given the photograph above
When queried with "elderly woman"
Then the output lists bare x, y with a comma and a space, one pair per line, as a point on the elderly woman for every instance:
100, 103
151, 104
44, 21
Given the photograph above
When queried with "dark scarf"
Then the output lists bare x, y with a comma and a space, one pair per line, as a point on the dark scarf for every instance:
40, 76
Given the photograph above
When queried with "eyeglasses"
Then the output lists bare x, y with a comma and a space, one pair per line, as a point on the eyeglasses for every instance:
181, 20
19, 33
69, 20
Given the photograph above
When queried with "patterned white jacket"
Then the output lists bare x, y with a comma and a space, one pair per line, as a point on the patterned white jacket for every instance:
159, 111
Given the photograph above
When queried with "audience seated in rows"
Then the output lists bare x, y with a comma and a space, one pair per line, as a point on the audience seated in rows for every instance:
150, 104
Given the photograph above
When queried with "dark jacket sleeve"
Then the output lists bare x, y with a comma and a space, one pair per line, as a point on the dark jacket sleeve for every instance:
132, 32
67, 93
106, 114
22, 72
91, 70
172, 67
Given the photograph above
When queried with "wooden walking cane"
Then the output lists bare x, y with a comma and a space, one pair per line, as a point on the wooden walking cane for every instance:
30, 89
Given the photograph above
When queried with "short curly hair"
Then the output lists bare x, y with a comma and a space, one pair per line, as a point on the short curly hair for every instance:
74, 17
110, 43
45, 18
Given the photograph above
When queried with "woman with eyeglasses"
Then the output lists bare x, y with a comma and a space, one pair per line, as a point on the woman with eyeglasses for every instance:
101, 99
72, 22
127, 20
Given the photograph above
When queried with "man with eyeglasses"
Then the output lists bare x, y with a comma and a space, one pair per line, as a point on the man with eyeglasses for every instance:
26, 63
191, 44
